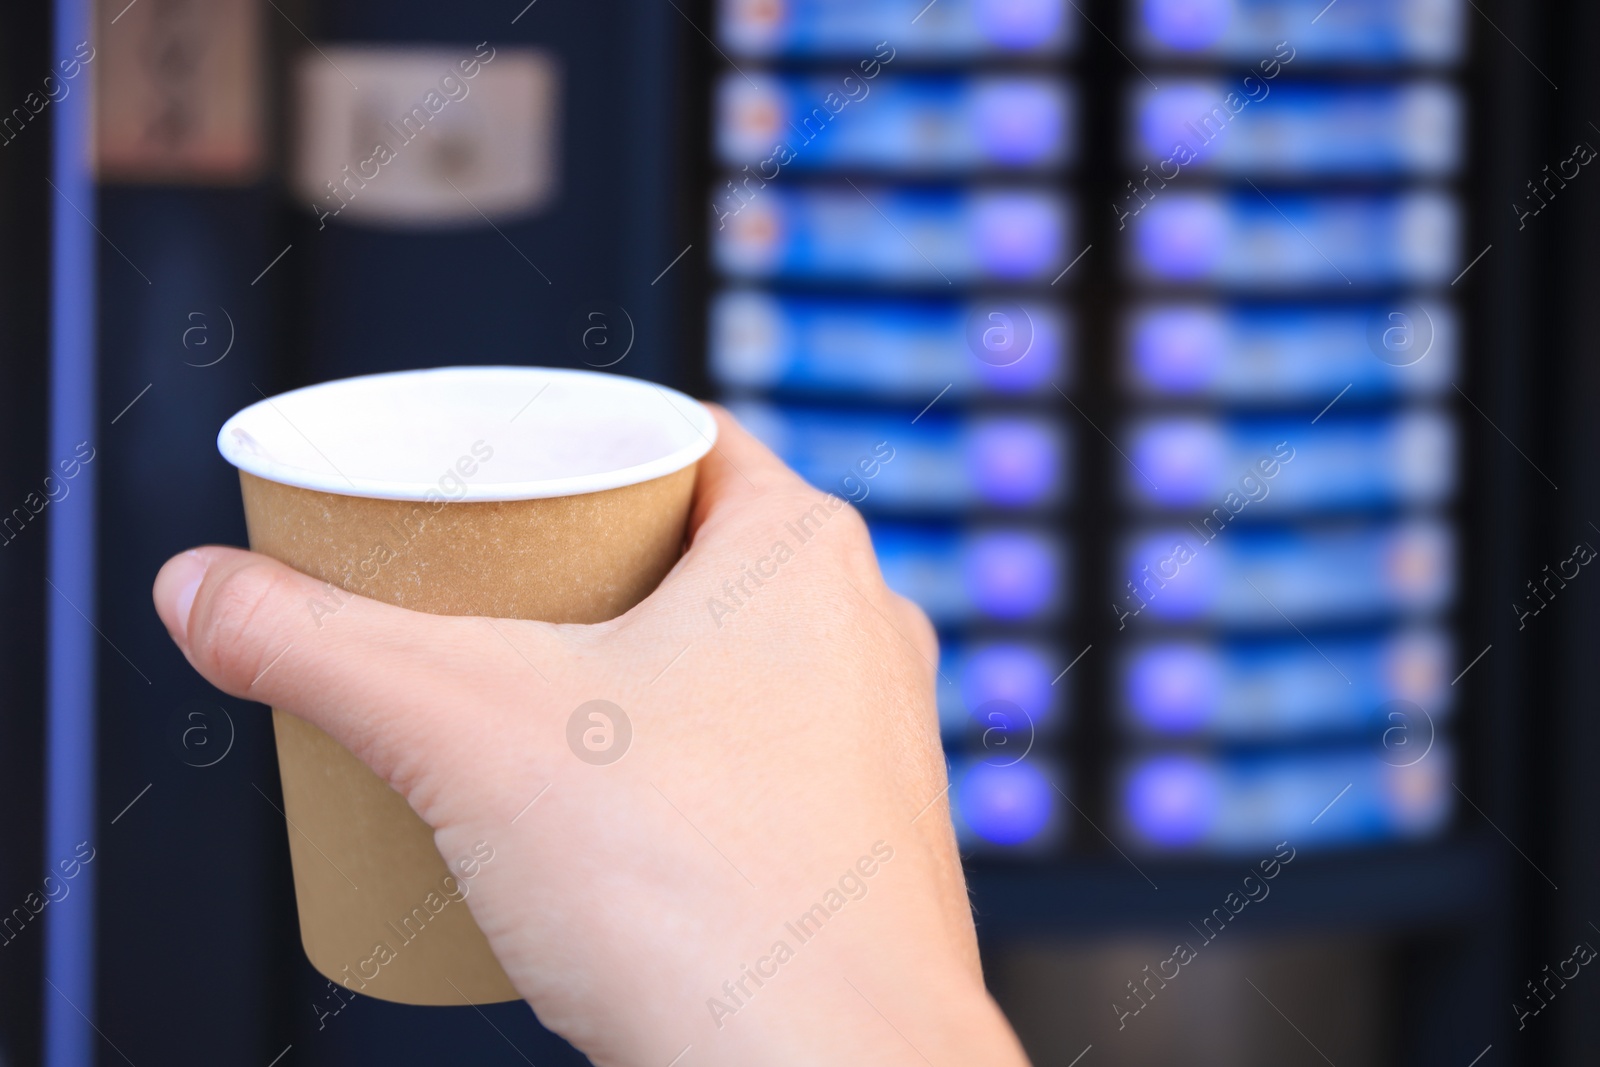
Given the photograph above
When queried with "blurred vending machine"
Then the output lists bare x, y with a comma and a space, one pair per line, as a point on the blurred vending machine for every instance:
1172, 469
1138, 333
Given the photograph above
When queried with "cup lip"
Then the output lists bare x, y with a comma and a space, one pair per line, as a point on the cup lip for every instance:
235, 446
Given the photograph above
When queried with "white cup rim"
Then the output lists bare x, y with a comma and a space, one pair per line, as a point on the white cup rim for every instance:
688, 426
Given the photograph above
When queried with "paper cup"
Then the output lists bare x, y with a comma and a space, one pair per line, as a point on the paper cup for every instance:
510, 492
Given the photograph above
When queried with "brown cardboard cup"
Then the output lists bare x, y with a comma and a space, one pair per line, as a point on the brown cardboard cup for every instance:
509, 492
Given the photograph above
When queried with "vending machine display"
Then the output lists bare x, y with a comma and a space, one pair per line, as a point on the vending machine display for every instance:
1239, 502
1288, 554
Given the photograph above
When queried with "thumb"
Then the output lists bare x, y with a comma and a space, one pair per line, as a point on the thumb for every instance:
368, 674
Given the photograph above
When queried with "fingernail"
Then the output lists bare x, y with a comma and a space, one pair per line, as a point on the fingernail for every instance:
185, 574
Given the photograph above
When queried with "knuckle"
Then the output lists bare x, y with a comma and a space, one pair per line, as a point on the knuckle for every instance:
828, 520
802, 515
921, 627
764, 516
796, 504
850, 547
853, 526
823, 530
855, 543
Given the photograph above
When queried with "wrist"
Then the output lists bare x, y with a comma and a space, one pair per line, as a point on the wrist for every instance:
888, 975
894, 1006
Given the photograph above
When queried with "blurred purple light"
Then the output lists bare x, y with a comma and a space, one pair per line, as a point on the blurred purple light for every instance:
1011, 574
1188, 25
1174, 688
1012, 462
1016, 234
1183, 458
1018, 121
1004, 805
1008, 672
1182, 237
1172, 800
1018, 24
1179, 349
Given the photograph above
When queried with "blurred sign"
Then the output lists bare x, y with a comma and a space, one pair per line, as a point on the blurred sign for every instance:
178, 94
425, 136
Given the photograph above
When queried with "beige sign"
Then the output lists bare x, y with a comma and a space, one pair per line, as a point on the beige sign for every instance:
179, 91
421, 137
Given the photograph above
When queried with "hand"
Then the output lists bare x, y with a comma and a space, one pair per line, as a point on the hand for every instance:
780, 751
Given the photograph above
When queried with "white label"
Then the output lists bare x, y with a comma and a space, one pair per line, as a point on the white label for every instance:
421, 137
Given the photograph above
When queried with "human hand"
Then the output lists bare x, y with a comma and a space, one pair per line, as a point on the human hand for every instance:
781, 752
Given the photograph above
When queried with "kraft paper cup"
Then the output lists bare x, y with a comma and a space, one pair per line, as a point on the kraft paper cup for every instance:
511, 492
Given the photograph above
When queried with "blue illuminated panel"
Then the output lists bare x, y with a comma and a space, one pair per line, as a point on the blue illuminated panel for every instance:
1249, 468
947, 30
1370, 32
892, 235
934, 124
1274, 240
1246, 803
1286, 576
1281, 688
1296, 130
1014, 461
899, 350
1249, 356
962, 577
1288, 561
